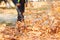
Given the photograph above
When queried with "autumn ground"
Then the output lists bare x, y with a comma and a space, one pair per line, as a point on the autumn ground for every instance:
39, 24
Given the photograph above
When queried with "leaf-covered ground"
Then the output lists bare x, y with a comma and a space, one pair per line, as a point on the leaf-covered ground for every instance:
39, 24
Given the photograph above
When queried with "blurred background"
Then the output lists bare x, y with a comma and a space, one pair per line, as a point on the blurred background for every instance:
41, 21
8, 13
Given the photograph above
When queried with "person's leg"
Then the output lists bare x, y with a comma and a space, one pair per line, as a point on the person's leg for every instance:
20, 22
22, 10
20, 14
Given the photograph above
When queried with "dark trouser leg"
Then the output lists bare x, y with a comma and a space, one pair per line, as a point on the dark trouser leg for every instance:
20, 14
